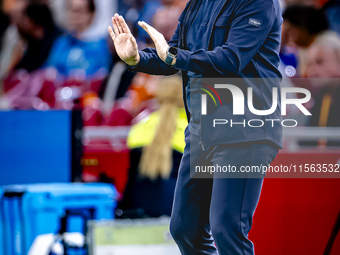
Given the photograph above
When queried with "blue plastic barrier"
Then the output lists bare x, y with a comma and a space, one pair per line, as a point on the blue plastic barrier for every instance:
31, 210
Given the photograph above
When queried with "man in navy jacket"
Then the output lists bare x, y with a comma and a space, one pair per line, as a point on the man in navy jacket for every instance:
217, 38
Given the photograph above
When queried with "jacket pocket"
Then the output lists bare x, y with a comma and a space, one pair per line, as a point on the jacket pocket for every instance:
221, 31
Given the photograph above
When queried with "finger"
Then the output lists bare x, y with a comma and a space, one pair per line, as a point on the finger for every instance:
124, 26
155, 34
142, 24
112, 34
118, 23
150, 28
115, 27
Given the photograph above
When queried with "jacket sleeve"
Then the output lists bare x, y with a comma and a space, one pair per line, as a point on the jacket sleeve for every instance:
245, 38
150, 63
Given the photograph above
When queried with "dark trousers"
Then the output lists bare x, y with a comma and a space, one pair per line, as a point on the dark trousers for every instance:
217, 212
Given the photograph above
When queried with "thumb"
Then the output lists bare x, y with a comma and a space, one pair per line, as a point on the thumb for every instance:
133, 41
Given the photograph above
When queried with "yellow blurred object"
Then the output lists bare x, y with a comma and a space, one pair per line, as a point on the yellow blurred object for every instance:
325, 106
162, 131
142, 133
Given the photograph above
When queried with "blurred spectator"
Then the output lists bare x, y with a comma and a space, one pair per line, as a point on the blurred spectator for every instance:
324, 67
332, 12
74, 55
80, 16
324, 57
105, 9
72, 52
157, 144
166, 19
147, 13
24, 88
37, 27
156, 158
301, 26
163, 15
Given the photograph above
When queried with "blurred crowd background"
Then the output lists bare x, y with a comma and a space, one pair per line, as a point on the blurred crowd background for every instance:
57, 55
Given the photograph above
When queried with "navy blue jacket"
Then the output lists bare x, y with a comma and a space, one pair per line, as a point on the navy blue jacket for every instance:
244, 43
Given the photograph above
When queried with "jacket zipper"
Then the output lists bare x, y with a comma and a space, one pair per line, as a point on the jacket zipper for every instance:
182, 44
222, 3
216, 14
185, 21
202, 146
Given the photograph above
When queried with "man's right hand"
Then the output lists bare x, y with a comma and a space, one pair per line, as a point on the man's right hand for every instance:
125, 43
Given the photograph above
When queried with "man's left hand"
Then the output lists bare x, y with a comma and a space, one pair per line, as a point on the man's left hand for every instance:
158, 39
